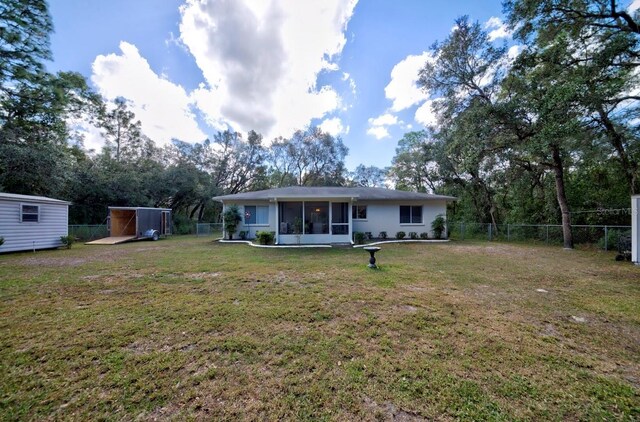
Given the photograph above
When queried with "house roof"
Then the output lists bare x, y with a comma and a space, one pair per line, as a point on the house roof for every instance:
360, 193
31, 198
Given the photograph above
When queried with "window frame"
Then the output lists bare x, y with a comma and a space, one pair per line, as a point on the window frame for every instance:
355, 212
255, 214
411, 215
22, 213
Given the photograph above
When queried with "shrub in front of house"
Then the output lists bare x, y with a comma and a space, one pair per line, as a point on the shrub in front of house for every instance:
358, 237
438, 226
382, 235
243, 234
231, 218
400, 235
368, 235
424, 235
265, 238
413, 235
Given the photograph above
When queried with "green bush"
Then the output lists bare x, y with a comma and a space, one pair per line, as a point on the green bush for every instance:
231, 218
611, 239
265, 238
382, 235
413, 235
243, 234
359, 237
438, 226
400, 235
67, 241
368, 235
424, 235
1, 240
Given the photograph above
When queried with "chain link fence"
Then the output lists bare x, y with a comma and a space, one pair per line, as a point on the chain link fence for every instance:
209, 229
606, 237
86, 232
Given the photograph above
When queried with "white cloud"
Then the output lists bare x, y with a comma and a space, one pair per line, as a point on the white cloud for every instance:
425, 114
403, 89
633, 6
260, 59
378, 132
379, 126
163, 107
386, 119
498, 29
85, 131
333, 126
515, 50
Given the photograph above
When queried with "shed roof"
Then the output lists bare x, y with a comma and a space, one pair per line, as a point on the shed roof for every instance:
31, 198
360, 193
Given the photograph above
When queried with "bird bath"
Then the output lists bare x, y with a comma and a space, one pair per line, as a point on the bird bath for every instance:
372, 251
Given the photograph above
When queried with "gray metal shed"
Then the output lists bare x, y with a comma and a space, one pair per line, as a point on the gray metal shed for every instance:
131, 223
32, 222
136, 221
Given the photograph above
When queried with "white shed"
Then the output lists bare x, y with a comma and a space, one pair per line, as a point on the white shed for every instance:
32, 222
635, 229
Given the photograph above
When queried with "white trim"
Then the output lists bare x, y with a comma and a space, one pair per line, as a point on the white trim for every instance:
382, 242
24, 204
248, 242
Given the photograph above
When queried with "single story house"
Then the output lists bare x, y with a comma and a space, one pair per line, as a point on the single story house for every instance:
32, 222
324, 215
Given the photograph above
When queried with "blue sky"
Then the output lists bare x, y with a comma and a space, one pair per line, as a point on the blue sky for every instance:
191, 67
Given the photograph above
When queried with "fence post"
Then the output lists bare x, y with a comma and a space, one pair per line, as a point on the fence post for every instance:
461, 231
606, 238
508, 233
547, 241
490, 233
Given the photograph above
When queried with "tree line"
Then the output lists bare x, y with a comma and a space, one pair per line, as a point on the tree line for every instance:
545, 135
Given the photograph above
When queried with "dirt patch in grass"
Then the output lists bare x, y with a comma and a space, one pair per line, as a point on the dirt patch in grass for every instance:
389, 412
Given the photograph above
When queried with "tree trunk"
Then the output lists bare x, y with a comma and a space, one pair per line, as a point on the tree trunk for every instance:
562, 198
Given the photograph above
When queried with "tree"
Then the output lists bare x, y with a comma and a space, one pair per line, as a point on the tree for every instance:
368, 176
25, 26
122, 132
549, 18
414, 167
309, 158
599, 44
35, 157
466, 79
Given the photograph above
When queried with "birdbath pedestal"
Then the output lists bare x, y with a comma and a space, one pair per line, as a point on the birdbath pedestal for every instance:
372, 251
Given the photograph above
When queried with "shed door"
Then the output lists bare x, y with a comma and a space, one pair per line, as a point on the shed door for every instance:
166, 223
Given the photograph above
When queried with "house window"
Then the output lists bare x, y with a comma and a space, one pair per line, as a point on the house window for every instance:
410, 214
256, 214
359, 212
29, 213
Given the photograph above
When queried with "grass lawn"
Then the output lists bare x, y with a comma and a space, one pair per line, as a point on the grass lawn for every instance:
186, 328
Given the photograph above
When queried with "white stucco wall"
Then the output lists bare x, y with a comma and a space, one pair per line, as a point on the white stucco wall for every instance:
385, 216
381, 216
251, 229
